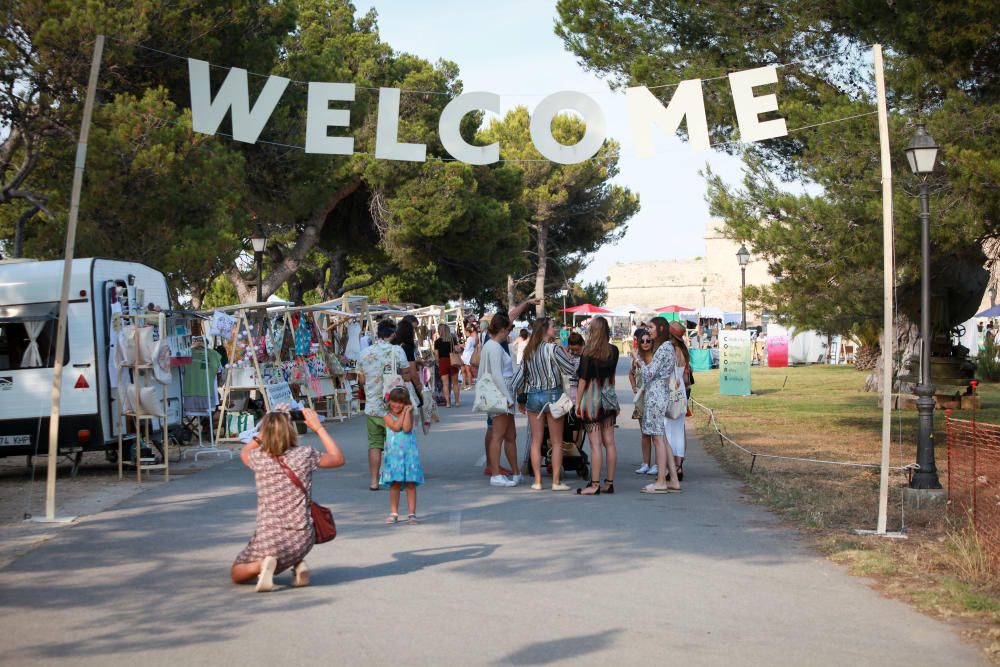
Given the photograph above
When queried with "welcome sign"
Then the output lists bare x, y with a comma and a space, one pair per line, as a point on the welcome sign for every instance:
645, 111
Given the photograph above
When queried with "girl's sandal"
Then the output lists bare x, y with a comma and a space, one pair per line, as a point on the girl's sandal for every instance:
609, 486
411, 519
392, 518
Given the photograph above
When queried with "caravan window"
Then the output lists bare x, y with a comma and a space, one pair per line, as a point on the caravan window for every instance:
20, 326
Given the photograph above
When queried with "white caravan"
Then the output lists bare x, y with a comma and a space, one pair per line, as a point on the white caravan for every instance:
29, 309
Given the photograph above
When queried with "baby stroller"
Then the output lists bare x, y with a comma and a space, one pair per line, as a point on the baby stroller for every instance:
574, 458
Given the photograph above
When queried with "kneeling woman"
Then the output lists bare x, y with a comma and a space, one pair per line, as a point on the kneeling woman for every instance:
284, 533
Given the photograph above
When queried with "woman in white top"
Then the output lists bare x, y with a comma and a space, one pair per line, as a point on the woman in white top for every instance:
496, 362
675, 427
471, 340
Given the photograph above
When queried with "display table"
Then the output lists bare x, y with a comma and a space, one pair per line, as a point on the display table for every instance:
701, 360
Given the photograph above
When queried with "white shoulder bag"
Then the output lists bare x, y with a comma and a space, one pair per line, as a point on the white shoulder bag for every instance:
489, 397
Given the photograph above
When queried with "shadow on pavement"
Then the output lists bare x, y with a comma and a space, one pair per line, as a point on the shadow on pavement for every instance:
542, 653
403, 562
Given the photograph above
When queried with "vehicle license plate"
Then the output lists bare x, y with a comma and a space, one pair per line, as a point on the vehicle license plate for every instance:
14, 440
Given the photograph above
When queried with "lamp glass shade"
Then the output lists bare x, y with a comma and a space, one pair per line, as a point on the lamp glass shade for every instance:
259, 242
743, 255
921, 153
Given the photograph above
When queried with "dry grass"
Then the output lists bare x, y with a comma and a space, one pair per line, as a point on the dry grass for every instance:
820, 412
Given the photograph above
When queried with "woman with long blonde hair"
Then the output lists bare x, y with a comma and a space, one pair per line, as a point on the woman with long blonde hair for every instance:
597, 404
284, 533
540, 375
656, 375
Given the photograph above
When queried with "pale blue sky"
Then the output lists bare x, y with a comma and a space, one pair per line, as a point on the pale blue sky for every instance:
510, 48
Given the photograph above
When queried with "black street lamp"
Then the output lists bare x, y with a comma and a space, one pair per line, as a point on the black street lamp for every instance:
563, 292
743, 255
259, 243
921, 154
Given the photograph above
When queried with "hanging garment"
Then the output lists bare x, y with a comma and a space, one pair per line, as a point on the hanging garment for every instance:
353, 350
303, 338
275, 336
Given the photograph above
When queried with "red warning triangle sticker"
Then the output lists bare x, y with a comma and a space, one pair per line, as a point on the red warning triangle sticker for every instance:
81, 383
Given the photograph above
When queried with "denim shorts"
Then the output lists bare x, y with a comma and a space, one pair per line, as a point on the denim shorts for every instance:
537, 400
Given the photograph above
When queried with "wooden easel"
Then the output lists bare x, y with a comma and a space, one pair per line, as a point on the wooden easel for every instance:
230, 386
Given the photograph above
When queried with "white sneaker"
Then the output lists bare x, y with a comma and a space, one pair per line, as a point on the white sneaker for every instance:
516, 479
265, 580
500, 480
653, 470
643, 469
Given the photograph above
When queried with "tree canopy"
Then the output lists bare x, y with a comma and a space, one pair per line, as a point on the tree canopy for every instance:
187, 203
943, 63
572, 210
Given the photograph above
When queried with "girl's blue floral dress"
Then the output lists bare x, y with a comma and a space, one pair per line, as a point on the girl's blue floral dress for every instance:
401, 460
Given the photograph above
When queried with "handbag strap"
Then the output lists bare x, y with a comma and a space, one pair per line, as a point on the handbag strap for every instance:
291, 475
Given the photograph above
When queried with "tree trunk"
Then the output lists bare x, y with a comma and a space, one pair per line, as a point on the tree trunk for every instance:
542, 259
19, 230
905, 345
510, 293
306, 241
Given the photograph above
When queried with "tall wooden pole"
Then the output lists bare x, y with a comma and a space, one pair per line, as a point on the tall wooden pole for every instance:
74, 210
888, 333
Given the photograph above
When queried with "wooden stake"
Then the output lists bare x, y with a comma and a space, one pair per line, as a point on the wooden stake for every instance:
74, 210
888, 335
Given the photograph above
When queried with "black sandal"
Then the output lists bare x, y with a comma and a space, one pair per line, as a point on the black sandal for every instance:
611, 486
596, 485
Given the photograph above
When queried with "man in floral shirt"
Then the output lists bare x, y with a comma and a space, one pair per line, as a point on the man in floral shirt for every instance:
376, 360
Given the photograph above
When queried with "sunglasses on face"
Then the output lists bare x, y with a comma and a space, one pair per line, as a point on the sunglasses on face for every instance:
645, 341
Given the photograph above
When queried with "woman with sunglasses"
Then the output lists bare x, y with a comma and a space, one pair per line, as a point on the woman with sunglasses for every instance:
540, 374
644, 345
657, 375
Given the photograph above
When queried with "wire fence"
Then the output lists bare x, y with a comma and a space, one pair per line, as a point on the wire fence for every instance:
974, 477
755, 454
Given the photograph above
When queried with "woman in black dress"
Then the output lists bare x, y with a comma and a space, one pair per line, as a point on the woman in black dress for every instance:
597, 404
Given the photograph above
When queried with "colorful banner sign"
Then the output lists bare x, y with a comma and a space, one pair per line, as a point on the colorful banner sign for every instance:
734, 363
777, 351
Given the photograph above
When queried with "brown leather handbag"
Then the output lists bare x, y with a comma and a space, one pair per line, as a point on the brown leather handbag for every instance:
324, 527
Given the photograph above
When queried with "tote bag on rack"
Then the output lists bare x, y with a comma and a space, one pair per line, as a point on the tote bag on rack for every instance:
127, 345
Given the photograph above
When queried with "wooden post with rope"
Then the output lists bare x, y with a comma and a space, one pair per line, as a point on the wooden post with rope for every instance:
74, 211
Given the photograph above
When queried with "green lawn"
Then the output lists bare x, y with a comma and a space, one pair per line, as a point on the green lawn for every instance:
821, 411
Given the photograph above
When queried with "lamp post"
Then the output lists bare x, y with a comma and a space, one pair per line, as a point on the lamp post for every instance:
703, 293
921, 154
259, 242
563, 292
743, 256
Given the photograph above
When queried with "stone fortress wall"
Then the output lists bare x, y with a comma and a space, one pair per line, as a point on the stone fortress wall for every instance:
653, 284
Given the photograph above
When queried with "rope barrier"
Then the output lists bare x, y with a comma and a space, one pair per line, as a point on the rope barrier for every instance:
723, 438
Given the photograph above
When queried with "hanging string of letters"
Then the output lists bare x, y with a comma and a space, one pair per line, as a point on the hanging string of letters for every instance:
645, 112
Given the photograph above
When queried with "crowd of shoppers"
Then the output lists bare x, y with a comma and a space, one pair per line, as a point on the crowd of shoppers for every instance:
551, 382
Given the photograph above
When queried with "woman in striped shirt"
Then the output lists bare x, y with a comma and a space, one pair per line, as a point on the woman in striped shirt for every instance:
541, 375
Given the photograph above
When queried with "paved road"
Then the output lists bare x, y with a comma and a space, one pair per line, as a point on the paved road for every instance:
492, 577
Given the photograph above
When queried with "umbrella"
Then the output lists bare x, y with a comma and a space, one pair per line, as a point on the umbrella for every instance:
586, 309
990, 312
675, 309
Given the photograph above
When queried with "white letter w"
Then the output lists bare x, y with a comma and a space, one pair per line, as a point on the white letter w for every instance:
207, 114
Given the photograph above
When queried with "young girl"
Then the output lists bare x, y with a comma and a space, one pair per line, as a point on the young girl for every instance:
401, 461
284, 533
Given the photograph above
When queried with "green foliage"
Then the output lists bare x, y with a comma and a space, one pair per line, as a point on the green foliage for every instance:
942, 68
988, 360
572, 210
